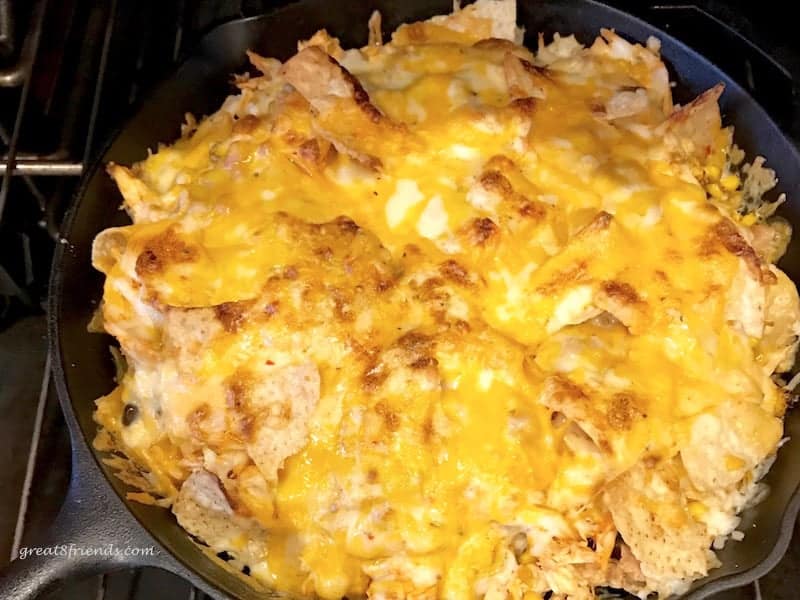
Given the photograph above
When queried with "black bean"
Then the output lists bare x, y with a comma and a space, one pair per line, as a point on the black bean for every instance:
591, 543
129, 414
616, 553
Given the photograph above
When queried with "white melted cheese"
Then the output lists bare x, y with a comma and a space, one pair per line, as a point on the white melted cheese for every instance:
406, 196
432, 222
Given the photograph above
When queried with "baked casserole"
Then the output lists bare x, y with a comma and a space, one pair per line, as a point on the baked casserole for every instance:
447, 317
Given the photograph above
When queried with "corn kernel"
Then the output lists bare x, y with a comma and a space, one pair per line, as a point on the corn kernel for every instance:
714, 190
732, 463
749, 219
697, 509
712, 172
531, 596
729, 182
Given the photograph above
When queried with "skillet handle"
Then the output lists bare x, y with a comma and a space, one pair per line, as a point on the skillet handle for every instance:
92, 533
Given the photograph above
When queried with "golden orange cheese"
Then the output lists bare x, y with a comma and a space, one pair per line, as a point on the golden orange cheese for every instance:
427, 318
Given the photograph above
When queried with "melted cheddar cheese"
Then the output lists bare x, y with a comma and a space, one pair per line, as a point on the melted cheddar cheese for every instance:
447, 318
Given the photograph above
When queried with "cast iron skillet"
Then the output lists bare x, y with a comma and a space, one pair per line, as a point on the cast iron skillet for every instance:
95, 513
